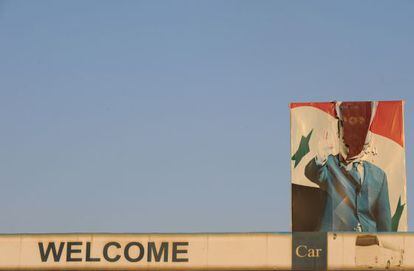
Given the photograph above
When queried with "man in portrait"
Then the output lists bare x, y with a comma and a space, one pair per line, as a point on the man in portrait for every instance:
356, 190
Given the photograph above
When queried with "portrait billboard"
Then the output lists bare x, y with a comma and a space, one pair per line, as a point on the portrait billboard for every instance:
348, 166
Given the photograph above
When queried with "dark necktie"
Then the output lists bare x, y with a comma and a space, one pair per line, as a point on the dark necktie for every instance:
355, 174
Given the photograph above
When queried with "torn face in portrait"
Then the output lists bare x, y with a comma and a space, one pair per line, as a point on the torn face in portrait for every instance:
355, 119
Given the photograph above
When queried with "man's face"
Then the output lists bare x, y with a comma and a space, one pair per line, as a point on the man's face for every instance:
354, 126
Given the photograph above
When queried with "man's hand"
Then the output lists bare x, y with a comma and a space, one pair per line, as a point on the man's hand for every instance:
326, 146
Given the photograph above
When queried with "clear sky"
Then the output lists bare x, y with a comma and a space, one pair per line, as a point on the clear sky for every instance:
172, 116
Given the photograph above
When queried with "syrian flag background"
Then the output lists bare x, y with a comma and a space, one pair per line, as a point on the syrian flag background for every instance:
310, 123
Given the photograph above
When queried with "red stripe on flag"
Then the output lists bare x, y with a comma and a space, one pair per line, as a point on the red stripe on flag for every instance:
388, 121
327, 107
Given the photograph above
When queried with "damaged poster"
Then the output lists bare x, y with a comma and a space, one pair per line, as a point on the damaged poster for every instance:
348, 166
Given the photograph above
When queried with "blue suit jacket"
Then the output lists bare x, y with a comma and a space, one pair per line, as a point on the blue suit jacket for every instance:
348, 203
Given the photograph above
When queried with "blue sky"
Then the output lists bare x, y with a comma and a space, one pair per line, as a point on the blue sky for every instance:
172, 116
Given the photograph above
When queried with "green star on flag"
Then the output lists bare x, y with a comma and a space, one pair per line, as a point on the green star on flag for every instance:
397, 215
303, 149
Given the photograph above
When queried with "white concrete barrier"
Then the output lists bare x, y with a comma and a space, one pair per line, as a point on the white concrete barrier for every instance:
227, 251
